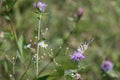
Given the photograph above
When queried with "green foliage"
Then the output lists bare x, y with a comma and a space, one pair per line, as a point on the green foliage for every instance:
100, 20
20, 48
5, 66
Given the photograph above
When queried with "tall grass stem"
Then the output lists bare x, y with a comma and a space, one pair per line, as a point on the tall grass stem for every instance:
38, 49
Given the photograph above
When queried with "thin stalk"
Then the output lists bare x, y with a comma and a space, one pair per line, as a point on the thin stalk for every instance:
49, 62
13, 68
76, 26
13, 31
11, 25
38, 49
21, 78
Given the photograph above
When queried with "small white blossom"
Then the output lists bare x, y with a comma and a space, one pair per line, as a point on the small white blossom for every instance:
42, 44
28, 46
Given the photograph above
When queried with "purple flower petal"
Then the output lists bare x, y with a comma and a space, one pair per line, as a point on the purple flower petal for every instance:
77, 56
106, 65
40, 5
80, 12
34, 5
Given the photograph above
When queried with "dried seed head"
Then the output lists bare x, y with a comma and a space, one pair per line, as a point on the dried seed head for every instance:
10, 75
1, 34
46, 29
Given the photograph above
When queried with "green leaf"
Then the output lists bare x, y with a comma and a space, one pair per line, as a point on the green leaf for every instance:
43, 38
7, 18
20, 46
70, 18
43, 77
5, 66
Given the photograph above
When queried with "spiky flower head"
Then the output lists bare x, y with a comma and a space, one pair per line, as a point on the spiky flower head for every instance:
77, 56
39, 5
106, 65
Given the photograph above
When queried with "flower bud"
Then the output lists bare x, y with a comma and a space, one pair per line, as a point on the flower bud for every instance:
80, 12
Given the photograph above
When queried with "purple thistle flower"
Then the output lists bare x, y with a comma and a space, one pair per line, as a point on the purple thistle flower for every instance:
106, 65
41, 6
77, 56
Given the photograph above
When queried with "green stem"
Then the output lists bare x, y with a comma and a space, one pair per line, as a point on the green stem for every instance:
13, 68
50, 61
38, 49
11, 25
76, 26
13, 31
21, 78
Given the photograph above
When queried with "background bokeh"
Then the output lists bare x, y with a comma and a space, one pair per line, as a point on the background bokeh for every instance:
100, 20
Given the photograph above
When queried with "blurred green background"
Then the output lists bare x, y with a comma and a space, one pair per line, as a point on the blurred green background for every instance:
101, 20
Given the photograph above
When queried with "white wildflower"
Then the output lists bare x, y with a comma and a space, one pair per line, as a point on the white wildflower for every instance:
42, 44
